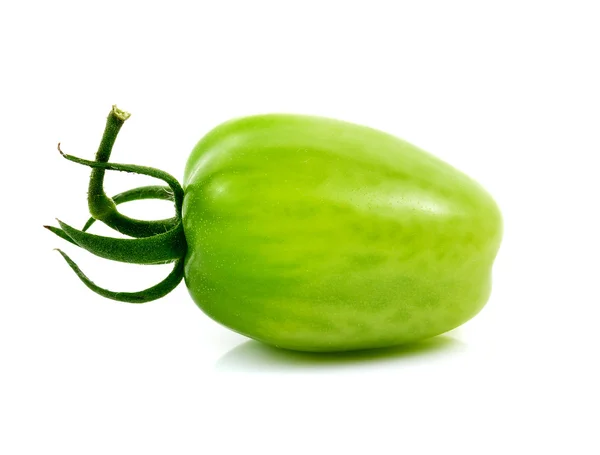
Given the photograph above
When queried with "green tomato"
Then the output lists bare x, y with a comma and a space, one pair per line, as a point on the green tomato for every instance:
308, 233
319, 235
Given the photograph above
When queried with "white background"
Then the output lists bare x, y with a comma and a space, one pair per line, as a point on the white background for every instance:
506, 91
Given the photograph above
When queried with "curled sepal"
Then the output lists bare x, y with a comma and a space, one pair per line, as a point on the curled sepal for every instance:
62, 234
144, 192
159, 248
155, 292
134, 228
135, 169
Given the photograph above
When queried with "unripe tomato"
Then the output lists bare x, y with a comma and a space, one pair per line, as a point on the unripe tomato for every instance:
319, 235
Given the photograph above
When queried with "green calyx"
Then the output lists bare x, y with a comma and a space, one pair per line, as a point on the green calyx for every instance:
151, 242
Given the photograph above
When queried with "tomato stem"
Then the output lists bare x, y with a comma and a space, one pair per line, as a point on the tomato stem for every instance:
103, 207
98, 202
154, 242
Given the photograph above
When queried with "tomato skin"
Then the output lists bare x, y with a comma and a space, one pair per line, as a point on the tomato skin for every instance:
319, 235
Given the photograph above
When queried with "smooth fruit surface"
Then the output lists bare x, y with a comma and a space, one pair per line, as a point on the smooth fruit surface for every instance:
315, 234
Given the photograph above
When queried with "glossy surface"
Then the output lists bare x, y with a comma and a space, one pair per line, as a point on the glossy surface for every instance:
315, 234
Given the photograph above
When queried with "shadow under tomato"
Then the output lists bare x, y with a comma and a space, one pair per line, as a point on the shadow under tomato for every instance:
253, 356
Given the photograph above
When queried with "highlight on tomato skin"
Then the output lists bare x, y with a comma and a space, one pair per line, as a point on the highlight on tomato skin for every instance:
306, 233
